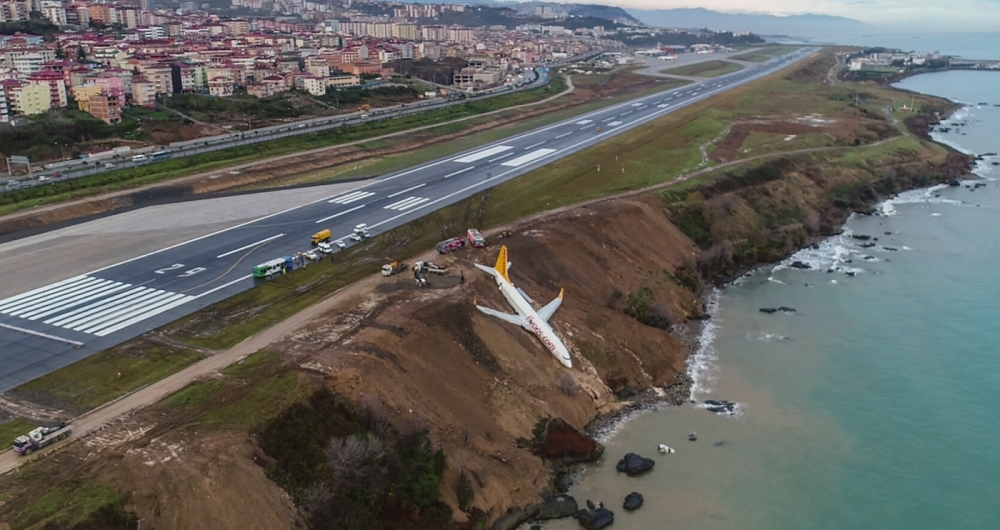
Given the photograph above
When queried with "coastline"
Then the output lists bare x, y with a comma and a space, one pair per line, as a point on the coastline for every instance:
701, 359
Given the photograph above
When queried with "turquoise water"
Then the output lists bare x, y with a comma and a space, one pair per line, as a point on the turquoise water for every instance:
875, 405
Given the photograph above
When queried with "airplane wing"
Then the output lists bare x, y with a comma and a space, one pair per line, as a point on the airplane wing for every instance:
513, 319
550, 308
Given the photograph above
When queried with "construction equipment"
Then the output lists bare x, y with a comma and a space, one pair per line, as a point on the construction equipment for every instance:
321, 236
421, 279
393, 268
429, 267
475, 238
40, 437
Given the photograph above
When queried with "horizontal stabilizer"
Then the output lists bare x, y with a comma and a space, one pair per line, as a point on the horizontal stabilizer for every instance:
550, 308
513, 319
525, 295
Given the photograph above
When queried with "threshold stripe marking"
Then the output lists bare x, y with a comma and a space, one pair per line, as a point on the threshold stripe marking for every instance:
43, 335
251, 245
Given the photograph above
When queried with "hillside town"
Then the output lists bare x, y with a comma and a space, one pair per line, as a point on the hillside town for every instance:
102, 57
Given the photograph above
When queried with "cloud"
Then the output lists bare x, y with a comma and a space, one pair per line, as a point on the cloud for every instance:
918, 15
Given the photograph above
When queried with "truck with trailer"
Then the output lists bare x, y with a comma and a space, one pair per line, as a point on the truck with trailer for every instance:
450, 245
393, 268
41, 437
429, 267
475, 238
321, 236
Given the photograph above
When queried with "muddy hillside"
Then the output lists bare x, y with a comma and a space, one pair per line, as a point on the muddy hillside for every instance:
481, 384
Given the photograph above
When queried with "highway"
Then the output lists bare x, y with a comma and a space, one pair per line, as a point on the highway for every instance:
52, 326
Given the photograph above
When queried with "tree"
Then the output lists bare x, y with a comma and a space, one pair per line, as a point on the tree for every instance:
81, 54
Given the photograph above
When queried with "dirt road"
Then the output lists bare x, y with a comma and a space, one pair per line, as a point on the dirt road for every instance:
37, 209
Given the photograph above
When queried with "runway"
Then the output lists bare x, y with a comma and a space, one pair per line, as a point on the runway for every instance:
51, 326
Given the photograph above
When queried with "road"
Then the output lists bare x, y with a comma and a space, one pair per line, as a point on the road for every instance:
52, 326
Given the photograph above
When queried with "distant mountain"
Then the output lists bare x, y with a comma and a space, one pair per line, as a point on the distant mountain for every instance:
814, 26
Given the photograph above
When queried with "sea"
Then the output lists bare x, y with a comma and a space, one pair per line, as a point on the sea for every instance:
875, 404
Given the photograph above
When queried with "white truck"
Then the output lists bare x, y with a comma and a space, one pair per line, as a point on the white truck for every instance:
429, 267
41, 437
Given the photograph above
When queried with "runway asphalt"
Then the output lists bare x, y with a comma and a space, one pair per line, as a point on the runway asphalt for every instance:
49, 327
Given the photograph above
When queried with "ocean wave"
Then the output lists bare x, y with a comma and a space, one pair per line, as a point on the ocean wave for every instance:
833, 253
765, 336
702, 365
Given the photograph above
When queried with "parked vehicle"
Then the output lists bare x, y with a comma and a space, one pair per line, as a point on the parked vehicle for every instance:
429, 267
40, 437
269, 268
475, 238
321, 236
450, 245
393, 268
325, 248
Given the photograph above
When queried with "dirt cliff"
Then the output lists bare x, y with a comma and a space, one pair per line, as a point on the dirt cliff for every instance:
482, 384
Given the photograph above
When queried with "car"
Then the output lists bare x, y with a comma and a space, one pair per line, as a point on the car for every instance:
43, 179
355, 237
341, 244
312, 255
325, 248
109, 165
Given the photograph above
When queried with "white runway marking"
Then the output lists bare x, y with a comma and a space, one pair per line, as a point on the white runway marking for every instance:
501, 157
485, 153
406, 204
528, 158
408, 190
251, 245
532, 146
351, 197
614, 124
334, 216
459, 172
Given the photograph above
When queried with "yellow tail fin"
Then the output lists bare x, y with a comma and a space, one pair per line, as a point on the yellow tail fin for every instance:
501, 265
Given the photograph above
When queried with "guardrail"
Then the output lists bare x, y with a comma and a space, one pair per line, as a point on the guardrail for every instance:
274, 132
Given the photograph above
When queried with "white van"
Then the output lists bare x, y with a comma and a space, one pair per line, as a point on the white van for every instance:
139, 158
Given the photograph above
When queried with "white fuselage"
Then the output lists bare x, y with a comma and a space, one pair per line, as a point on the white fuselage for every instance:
534, 323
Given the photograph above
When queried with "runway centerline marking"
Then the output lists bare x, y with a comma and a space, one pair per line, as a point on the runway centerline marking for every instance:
334, 216
459, 172
407, 190
251, 245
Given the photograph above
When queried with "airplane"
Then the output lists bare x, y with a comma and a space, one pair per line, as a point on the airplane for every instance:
534, 321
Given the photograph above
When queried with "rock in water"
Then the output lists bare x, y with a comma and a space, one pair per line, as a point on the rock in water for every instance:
634, 464
720, 406
595, 519
800, 265
768, 310
861, 237
590, 504
632, 501
556, 508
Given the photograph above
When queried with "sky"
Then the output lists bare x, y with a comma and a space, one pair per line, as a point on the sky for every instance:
914, 15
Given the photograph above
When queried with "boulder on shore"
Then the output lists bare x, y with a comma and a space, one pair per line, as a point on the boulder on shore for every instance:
560, 441
633, 464
632, 501
596, 518
511, 520
556, 508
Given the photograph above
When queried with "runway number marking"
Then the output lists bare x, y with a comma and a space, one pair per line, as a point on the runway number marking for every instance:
173, 267
191, 272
